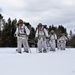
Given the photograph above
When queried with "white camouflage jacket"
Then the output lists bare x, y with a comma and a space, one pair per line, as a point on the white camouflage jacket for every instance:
21, 30
43, 32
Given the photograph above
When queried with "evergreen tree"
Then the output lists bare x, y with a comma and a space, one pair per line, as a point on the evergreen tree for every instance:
32, 40
72, 41
8, 34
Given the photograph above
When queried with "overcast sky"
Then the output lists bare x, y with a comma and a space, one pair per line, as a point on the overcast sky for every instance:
47, 12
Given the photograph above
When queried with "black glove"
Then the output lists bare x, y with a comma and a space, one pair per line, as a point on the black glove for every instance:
14, 35
19, 35
47, 37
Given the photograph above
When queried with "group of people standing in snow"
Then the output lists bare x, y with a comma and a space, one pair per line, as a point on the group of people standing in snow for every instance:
44, 38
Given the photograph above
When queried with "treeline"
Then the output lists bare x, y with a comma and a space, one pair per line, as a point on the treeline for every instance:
7, 38
71, 42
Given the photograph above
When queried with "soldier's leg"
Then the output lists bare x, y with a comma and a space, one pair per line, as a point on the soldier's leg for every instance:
44, 46
61, 46
64, 46
51, 43
19, 45
54, 45
39, 46
49, 46
25, 45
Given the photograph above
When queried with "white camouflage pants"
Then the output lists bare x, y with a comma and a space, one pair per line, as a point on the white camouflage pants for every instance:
24, 42
63, 46
53, 44
42, 44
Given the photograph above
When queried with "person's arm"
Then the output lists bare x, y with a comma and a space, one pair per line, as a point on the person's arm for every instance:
55, 36
36, 35
16, 33
46, 32
27, 30
66, 38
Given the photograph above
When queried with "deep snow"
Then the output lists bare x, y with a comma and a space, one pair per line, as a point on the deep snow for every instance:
51, 63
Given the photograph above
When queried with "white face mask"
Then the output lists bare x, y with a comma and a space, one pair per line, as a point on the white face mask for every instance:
41, 28
21, 25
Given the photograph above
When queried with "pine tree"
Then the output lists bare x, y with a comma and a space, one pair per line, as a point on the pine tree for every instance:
32, 40
8, 34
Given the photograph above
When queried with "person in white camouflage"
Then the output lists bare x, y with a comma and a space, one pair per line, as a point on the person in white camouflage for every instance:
22, 33
58, 44
52, 40
63, 40
41, 35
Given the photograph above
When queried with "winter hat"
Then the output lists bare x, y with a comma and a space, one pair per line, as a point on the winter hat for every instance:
62, 34
20, 21
40, 25
52, 31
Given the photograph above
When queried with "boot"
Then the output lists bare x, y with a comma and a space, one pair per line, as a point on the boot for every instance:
19, 52
44, 51
26, 51
40, 51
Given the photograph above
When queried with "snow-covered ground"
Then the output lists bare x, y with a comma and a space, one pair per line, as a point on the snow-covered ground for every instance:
51, 63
